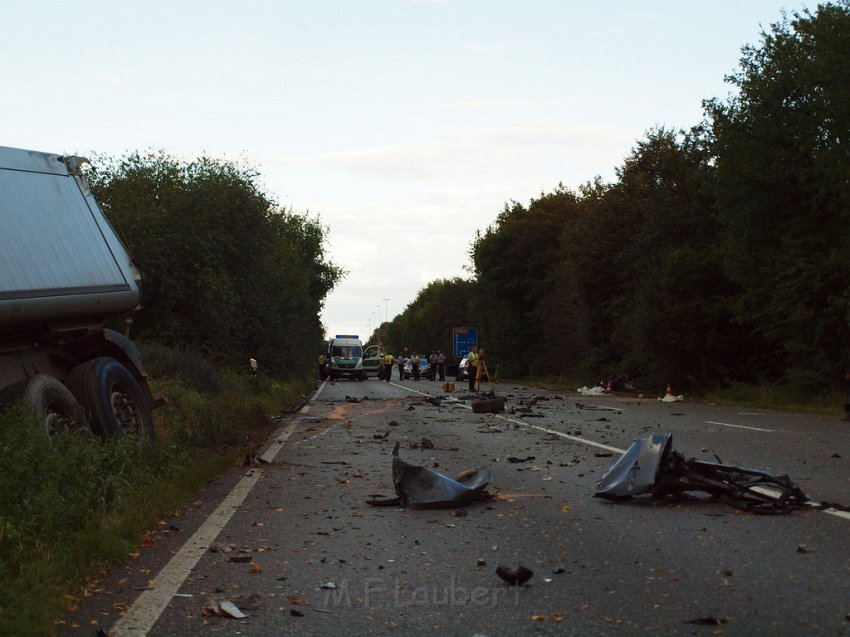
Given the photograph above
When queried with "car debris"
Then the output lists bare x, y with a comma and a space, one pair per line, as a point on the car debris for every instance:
599, 390
224, 608
598, 407
423, 488
514, 576
488, 406
650, 466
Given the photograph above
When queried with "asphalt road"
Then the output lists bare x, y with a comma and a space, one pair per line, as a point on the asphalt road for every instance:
292, 542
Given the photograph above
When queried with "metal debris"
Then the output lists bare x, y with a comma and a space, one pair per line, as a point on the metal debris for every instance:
423, 488
650, 466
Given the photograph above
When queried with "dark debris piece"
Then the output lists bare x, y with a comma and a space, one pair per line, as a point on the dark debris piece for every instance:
514, 576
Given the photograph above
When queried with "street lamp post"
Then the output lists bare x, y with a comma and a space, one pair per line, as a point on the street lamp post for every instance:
386, 309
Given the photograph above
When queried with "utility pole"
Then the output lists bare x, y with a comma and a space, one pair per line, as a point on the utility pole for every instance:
386, 309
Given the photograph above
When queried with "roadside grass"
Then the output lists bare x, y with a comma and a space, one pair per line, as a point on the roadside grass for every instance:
73, 506
829, 403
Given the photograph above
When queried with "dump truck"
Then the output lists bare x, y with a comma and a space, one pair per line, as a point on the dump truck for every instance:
64, 273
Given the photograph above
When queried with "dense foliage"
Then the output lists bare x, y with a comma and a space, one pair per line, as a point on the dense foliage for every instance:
81, 502
225, 270
719, 255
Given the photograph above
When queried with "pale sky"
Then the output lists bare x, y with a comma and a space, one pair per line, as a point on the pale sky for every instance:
403, 125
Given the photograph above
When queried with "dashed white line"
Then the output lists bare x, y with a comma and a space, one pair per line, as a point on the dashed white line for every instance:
729, 424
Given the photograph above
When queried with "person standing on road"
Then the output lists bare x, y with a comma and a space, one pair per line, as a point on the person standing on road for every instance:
322, 369
441, 365
432, 366
414, 365
388, 367
472, 366
400, 360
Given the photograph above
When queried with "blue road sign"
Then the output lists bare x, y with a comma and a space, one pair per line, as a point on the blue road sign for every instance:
463, 338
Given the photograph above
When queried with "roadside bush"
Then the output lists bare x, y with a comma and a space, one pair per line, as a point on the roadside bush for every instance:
73, 504
189, 368
57, 492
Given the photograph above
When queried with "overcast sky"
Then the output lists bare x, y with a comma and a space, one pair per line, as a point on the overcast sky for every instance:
403, 125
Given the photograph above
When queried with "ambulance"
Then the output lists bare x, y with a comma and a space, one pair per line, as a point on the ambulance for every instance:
345, 357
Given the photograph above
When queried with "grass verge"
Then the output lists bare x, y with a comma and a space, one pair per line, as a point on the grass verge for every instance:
779, 398
75, 505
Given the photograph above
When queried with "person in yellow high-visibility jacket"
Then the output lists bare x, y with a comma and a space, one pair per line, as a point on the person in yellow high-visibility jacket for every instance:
388, 366
323, 375
472, 366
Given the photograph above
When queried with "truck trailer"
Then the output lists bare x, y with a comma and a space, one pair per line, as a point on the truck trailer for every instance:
63, 273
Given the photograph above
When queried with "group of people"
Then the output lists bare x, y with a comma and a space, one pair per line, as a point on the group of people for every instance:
436, 365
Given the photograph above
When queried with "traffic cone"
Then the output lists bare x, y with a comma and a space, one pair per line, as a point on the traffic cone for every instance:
669, 389
610, 386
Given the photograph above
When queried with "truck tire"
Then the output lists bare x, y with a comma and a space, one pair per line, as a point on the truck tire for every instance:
52, 403
115, 403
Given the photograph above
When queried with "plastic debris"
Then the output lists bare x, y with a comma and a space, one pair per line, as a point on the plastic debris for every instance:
599, 390
423, 488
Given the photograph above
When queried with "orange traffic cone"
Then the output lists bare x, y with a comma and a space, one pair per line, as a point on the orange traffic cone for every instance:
669, 389
610, 386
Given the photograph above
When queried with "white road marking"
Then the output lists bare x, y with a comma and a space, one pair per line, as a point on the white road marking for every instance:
561, 434
583, 441
729, 424
144, 612
841, 514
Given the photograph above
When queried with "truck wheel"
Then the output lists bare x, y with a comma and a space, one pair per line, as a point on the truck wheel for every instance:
113, 399
52, 403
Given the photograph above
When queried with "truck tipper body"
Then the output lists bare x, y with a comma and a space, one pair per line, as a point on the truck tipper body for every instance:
63, 273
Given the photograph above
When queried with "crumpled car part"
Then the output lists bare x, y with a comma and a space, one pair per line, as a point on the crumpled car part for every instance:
423, 488
651, 466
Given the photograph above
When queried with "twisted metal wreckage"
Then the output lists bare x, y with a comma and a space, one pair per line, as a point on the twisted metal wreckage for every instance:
423, 488
650, 466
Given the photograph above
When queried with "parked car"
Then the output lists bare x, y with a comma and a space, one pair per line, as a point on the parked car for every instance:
424, 367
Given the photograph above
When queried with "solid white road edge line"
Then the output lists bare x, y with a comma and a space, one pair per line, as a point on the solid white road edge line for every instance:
143, 613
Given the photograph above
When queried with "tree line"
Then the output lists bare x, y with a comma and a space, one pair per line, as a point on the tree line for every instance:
720, 254
226, 271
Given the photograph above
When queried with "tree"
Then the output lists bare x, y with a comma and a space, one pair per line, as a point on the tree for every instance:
781, 151
513, 261
224, 269
427, 322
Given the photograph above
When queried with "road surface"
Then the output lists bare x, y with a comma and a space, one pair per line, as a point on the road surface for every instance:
292, 543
